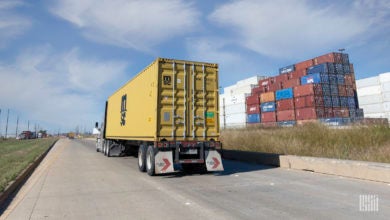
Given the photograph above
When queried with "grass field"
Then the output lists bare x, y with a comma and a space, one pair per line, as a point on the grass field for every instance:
355, 143
16, 155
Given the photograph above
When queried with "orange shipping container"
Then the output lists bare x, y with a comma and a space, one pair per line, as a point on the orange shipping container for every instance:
267, 97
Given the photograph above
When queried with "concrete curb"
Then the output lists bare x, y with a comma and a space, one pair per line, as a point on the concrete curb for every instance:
379, 172
22, 178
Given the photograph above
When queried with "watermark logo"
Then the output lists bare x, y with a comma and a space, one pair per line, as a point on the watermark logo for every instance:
368, 203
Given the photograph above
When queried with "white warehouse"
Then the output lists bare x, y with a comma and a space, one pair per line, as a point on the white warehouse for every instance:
374, 96
232, 102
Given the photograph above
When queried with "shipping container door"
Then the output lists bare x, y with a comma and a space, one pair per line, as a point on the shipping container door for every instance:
189, 101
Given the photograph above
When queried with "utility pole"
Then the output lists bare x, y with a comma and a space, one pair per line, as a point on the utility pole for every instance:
28, 125
17, 124
6, 126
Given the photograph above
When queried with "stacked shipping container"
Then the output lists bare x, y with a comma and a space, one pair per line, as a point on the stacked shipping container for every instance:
320, 88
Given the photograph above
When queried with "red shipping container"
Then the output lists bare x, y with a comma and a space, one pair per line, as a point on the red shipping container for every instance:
341, 112
253, 109
314, 101
329, 58
285, 104
281, 78
297, 74
308, 89
304, 65
351, 69
300, 102
350, 91
268, 117
328, 113
342, 90
258, 90
287, 115
253, 99
309, 113
264, 82
348, 80
269, 124
291, 83
275, 86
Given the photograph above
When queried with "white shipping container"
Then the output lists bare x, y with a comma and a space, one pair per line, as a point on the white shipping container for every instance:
234, 99
370, 90
370, 99
386, 106
239, 118
372, 81
251, 80
385, 86
376, 115
386, 97
373, 108
234, 109
384, 77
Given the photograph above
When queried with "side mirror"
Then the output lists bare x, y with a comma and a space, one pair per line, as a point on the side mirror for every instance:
96, 124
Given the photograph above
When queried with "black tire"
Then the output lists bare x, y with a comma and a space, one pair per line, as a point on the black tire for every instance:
105, 148
150, 166
142, 158
109, 148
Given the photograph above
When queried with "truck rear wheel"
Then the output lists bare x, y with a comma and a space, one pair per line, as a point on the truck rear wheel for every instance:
142, 158
150, 165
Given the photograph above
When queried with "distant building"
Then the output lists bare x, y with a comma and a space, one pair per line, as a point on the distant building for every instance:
232, 102
374, 96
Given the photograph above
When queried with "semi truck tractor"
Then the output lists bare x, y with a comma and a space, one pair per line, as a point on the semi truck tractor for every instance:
167, 115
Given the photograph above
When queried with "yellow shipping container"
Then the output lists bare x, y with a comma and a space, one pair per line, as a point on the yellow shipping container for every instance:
172, 100
267, 97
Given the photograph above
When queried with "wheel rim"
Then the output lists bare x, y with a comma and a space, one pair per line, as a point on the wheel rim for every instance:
140, 158
149, 162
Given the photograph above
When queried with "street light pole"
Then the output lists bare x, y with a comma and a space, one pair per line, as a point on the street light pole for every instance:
6, 125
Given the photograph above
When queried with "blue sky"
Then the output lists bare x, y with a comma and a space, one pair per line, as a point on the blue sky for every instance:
61, 59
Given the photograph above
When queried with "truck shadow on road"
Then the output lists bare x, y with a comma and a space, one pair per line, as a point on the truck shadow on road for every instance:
231, 167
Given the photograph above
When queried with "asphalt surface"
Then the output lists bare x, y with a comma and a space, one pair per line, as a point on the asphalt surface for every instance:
76, 182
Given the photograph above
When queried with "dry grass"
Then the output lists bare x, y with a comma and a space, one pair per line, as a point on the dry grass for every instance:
354, 143
16, 155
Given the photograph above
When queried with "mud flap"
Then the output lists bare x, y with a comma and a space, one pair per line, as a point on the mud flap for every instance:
163, 162
213, 161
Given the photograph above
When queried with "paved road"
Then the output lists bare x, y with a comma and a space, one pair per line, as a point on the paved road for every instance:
75, 182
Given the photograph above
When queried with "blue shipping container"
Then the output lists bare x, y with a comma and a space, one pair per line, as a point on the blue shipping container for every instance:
325, 89
339, 68
287, 69
345, 58
343, 101
328, 101
332, 79
284, 94
332, 121
334, 90
335, 101
340, 79
351, 103
315, 78
321, 68
347, 69
253, 118
268, 107
287, 123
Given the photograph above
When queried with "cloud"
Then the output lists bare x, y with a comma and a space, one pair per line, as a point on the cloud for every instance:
233, 65
12, 24
59, 89
293, 28
132, 24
